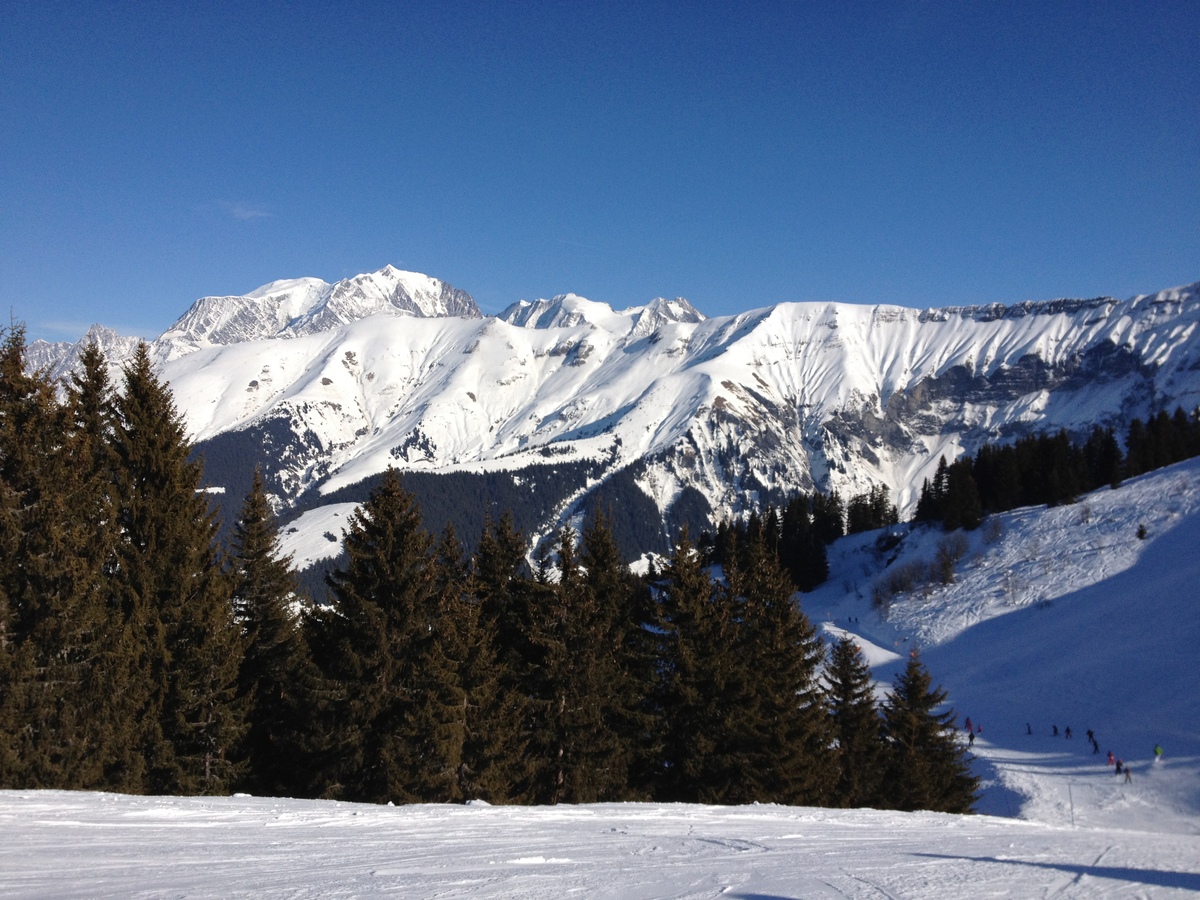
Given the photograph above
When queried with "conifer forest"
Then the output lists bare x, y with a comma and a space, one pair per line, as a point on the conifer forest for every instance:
142, 651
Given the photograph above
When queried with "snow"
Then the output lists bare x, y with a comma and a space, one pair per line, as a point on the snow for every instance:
307, 537
1058, 617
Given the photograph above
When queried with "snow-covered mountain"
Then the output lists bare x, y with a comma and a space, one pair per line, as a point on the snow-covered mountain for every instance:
299, 306
327, 385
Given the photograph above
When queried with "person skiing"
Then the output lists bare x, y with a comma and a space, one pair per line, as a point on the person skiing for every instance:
1128, 779
1028, 728
1068, 732
1111, 759
1091, 735
1157, 752
1120, 766
967, 724
970, 739
1055, 727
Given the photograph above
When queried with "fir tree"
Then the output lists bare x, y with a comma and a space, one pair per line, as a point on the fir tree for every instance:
365, 645
433, 733
857, 727
274, 667
175, 596
57, 695
701, 683
927, 768
579, 752
781, 735
495, 764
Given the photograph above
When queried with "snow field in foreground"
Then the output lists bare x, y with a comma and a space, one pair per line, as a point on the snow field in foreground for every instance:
64, 845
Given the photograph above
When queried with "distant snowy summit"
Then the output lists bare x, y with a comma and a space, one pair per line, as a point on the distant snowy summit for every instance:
300, 306
569, 310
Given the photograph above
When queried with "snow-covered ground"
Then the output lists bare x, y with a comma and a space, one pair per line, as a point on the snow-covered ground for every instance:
1059, 617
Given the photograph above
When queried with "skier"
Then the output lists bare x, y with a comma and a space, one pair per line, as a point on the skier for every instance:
1157, 752
1028, 728
970, 739
1091, 735
1055, 727
1120, 766
1128, 780
1068, 732
1111, 760
967, 724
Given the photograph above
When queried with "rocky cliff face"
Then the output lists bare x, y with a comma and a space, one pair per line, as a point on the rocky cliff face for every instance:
328, 385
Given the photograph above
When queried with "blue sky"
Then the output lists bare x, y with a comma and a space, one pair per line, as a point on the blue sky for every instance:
918, 153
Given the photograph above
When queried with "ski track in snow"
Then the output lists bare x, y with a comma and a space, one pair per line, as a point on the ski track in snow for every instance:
1058, 617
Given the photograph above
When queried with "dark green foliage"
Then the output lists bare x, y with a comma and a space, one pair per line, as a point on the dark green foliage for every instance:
700, 683
365, 645
174, 594
869, 511
796, 539
580, 686
274, 667
1163, 440
783, 728
927, 768
952, 498
829, 516
53, 606
857, 727
1051, 469
632, 516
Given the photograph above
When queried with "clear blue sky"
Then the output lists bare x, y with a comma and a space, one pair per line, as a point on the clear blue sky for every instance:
919, 153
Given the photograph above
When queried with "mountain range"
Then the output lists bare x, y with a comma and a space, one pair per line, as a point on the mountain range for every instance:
660, 414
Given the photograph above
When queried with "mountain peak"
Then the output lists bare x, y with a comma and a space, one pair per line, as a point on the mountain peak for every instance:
295, 306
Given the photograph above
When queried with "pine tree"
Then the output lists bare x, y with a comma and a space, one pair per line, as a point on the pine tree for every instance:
175, 596
700, 684
496, 766
781, 738
57, 695
274, 666
433, 734
580, 755
857, 726
366, 648
926, 766
801, 550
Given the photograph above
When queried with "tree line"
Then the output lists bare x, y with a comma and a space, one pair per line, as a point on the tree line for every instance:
1052, 469
140, 654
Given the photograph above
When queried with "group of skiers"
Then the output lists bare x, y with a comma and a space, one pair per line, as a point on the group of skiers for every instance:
973, 728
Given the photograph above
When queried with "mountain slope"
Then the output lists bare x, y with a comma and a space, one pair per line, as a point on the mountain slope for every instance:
327, 385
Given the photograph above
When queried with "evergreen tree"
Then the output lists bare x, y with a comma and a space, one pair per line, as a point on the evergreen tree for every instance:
829, 516
274, 667
801, 550
781, 737
58, 693
175, 596
432, 734
365, 645
857, 727
579, 751
625, 661
927, 768
700, 684
497, 764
